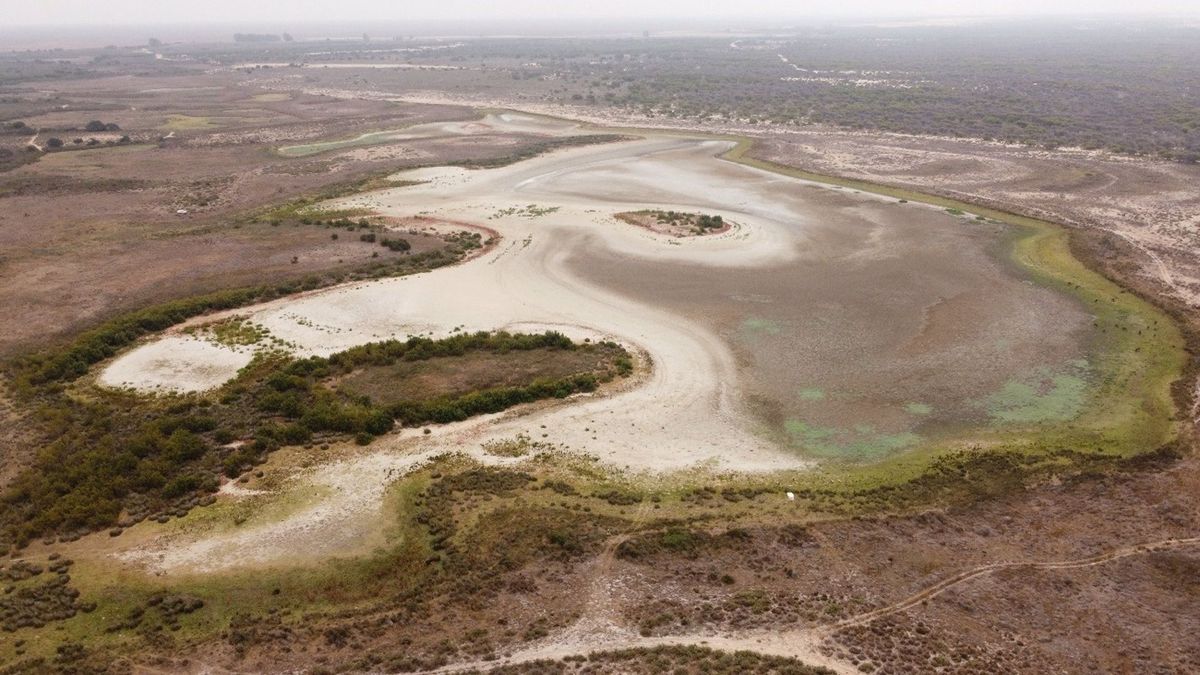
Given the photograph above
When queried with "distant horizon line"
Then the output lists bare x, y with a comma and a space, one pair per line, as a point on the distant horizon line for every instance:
870, 18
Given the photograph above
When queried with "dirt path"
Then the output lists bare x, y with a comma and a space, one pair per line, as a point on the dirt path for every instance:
601, 627
803, 645
601, 622
967, 575
1161, 269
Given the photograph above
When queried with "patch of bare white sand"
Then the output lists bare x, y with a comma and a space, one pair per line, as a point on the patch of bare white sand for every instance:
176, 363
803, 645
334, 525
443, 177
330, 510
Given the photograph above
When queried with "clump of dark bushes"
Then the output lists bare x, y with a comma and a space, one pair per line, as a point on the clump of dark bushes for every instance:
399, 244
35, 605
679, 541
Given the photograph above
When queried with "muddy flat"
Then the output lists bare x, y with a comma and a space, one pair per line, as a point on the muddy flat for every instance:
893, 323
827, 323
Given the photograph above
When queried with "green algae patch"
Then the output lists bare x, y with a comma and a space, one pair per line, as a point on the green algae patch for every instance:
917, 408
1038, 398
812, 394
862, 442
761, 326
803, 433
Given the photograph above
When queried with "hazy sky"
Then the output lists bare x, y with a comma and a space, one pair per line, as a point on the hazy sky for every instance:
125, 12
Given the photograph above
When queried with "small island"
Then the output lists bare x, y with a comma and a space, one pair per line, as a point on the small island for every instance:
676, 223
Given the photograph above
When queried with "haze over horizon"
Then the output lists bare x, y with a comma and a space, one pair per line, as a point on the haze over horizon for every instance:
141, 12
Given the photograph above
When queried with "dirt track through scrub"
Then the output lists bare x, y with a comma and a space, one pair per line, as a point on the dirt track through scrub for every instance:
803, 645
943, 586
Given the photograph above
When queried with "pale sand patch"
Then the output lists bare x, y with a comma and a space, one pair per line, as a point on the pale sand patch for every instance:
330, 510
802, 645
176, 363
232, 489
443, 177
334, 526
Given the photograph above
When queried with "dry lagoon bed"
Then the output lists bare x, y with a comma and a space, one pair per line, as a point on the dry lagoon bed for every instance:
824, 323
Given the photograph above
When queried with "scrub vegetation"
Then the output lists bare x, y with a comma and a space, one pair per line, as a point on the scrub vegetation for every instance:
117, 458
684, 660
472, 545
1044, 83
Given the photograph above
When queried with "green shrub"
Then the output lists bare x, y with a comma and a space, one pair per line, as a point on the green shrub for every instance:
400, 245
180, 486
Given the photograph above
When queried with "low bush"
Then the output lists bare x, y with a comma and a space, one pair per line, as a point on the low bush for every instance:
679, 541
399, 244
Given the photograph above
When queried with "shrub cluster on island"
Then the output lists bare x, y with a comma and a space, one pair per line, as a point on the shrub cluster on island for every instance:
676, 223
